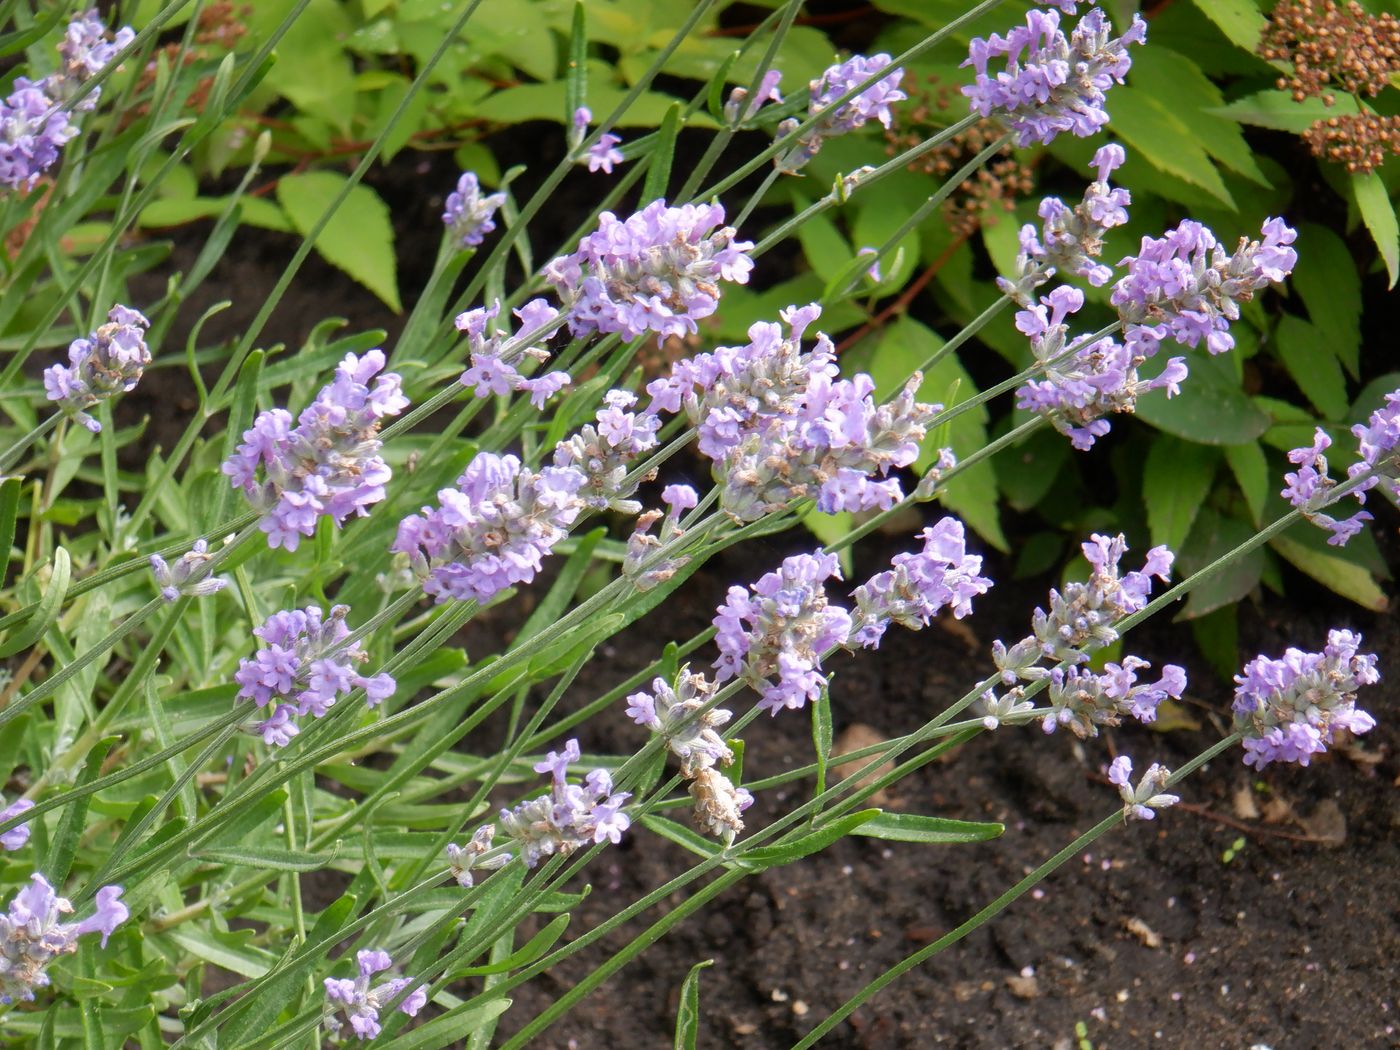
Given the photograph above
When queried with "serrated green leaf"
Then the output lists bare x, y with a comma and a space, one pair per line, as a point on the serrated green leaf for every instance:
1148, 124
358, 238
688, 1012
1317, 372
1176, 478
1330, 567
1379, 215
1251, 470
914, 827
1214, 536
1240, 20
1212, 408
1277, 110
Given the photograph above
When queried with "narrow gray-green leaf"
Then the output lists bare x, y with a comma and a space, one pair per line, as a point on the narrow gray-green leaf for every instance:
914, 827
688, 1012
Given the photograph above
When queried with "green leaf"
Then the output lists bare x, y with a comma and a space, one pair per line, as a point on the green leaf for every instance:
1329, 567
1379, 216
681, 835
63, 847
1214, 536
1212, 408
49, 607
1240, 20
806, 845
576, 70
1316, 371
688, 1012
457, 1023
535, 947
1148, 124
1176, 479
358, 238
1218, 635
1251, 470
821, 738
1277, 110
663, 152
9, 513
943, 831
230, 950
268, 859
1327, 280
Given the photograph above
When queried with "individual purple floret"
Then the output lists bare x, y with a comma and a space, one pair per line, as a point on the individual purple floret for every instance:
1095, 380
657, 271
31, 935
941, 576
496, 354
493, 530
33, 132
18, 835
605, 451
469, 215
674, 715
1082, 700
108, 362
1141, 802
361, 1003
329, 463
1051, 83
570, 816
185, 577
773, 636
303, 668
603, 153
1310, 487
1291, 708
1186, 287
1082, 619
739, 107
838, 119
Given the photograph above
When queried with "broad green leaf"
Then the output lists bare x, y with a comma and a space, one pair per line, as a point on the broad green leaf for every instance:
1277, 110
1176, 479
1327, 280
313, 69
1218, 635
1379, 215
1148, 124
1251, 470
1329, 567
1214, 536
1212, 408
1317, 372
1240, 20
359, 237
914, 827
688, 1012
823, 246
1372, 396
806, 845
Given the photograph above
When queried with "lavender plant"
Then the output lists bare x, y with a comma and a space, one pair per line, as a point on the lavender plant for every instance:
185, 756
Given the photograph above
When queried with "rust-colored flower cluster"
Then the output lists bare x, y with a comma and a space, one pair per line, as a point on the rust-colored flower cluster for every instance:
1361, 141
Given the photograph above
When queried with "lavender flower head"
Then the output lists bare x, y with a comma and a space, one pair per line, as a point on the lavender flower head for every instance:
18, 835
942, 575
303, 667
33, 132
1095, 380
1291, 708
643, 563
469, 215
603, 153
605, 451
496, 354
675, 716
657, 271
361, 1003
1051, 83
1186, 287
773, 635
1141, 802
185, 577
329, 463
32, 935
1081, 700
1310, 487
108, 362
838, 119
85, 51
739, 107
493, 530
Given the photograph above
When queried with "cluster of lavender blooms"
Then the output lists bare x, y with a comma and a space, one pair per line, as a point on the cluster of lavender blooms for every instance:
1186, 287
1051, 83
1098, 378
495, 354
603, 453
302, 668
469, 215
834, 119
1141, 802
780, 426
570, 816
739, 107
1291, 708
108, 362
361, 1003
640, 563
774, 634
34, 122
1082, 700
1309, 488
604, 153
917, 586
656, 271
18, 835
32, 935
329, 463
186, 577
689, 727
493, 530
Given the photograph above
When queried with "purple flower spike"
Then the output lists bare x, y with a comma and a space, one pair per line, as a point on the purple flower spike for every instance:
833, 120
184, 578
1141, 802
657, 271
1291, 708
1051, 83
1081, 700
497, 354
775, 634
328, 464
1310, 487
468, 214
18, 835
675, 716
739, 107
85, 51
605, 451
361, 1003
108, 362
32, 935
